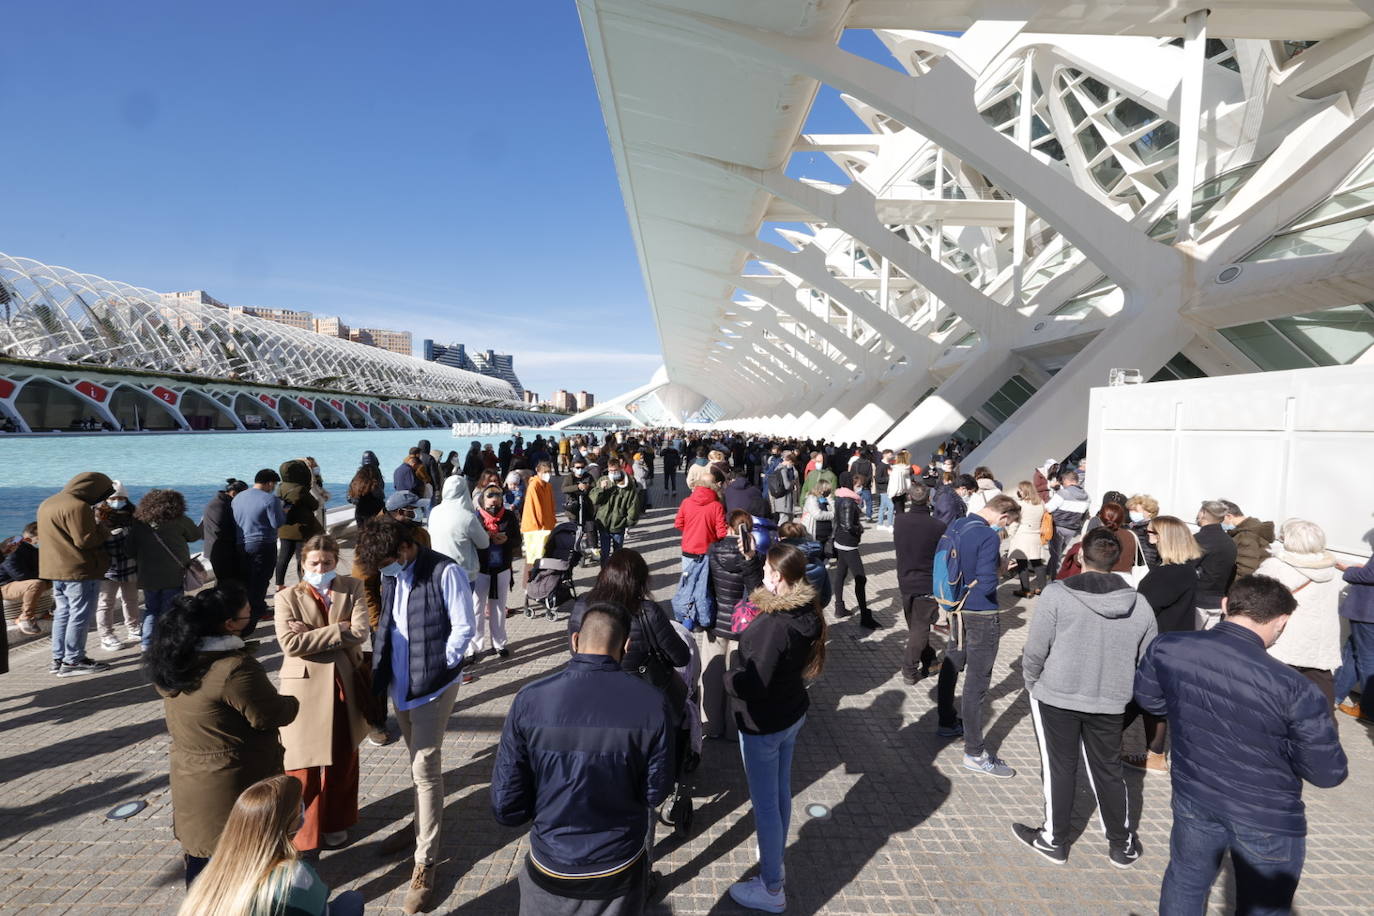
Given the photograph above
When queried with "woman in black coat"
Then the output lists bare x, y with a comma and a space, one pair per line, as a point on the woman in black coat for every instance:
1171, 589
221, 531
736, 569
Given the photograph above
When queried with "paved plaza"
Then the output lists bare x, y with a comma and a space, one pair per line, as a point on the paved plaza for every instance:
908, 830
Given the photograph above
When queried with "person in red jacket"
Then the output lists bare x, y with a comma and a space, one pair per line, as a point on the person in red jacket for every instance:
701, 519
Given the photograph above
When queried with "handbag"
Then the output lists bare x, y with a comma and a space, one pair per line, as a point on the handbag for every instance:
1046, 527
193, 573
1138, 568
658, 669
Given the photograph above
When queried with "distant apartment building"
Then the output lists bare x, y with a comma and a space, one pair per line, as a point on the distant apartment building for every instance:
383, 339
585, 401
196, 296
289, 317
331, 327
530, 397
563, 400
487, 362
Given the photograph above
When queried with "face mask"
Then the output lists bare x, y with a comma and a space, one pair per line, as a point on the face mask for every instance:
546, 477
1226, 527
391, 569
578, 472
996, 527
320, 580
118, 503
1137, 517
617, 475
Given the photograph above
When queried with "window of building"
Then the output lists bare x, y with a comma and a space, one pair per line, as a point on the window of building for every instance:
1329, 337
1327, 228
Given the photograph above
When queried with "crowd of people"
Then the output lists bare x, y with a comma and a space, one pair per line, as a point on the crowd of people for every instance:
1231, 639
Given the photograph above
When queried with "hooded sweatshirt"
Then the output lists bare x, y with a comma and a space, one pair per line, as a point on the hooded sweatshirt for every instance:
701, 519
1312, 638
1069, 506
72, 540
454, 528
1253, 538
1086, 636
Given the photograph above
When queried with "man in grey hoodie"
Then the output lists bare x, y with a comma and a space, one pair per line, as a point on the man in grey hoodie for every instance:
454, 528
1086, 636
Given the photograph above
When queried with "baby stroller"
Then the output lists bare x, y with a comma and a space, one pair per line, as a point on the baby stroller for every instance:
676, 811
551, 578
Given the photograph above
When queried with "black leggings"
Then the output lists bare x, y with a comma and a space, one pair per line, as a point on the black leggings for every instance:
846, 562
285, 551
1156, 727
1023, 569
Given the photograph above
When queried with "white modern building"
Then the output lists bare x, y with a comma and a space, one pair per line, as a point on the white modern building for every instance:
1020, 206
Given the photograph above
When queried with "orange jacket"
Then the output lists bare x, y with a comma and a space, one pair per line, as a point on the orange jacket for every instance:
538, 514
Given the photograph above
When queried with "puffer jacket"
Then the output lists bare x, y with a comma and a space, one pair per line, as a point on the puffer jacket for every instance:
849, 529
1252, 538
1234, 709
732, 577
1312, 638
947, 505
1069, 506
71, 541
768, 684
454, 528
294, 492
701, 519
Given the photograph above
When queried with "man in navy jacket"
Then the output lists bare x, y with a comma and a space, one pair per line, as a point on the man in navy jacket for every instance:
975, 652
1247, 730
587, 755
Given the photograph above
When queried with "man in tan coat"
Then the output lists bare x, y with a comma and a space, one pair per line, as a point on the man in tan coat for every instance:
73, 533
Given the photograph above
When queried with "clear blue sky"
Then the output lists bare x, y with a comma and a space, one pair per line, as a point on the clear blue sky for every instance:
438, 167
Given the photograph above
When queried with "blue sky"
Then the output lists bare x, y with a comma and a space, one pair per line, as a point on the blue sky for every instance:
438, 167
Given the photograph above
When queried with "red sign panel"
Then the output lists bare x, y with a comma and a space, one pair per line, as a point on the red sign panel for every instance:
6, 388
268, 400
93, 391
338, 405
166, 395
306, 403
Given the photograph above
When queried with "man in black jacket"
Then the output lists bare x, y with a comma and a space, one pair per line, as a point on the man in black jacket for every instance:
848, 532
915, 535
591, 724
1240, 758
1217, 568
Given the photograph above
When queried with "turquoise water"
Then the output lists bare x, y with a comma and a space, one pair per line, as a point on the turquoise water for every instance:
196, 463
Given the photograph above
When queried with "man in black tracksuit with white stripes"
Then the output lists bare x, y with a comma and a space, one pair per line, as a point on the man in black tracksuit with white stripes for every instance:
1086, 636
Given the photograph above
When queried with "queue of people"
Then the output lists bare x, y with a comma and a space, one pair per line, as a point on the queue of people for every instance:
1137, 615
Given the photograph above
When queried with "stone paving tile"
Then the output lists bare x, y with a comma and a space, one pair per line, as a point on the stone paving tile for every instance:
909, 830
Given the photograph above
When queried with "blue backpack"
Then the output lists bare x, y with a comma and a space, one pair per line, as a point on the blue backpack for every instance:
948, 574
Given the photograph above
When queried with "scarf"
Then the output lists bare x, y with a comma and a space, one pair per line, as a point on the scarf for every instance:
491, 522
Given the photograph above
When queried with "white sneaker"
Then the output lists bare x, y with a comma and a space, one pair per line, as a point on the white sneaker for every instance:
111, 643
133, 636
754, 895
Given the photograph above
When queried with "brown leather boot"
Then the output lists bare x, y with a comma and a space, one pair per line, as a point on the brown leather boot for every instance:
420, 897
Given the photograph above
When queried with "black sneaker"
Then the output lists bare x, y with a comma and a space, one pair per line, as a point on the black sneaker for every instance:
1125, 856
503, 653
1035, 839
82, 665
56, 666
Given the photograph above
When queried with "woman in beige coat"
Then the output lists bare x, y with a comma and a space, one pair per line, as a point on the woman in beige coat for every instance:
322, 625
1025, 544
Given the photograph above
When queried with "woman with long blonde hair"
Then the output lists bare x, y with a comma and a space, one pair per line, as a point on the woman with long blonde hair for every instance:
256, 870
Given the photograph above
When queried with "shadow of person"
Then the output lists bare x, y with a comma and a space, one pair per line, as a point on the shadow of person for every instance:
898, 788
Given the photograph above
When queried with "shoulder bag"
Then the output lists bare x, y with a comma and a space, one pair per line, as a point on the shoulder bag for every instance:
193, 573
657, 668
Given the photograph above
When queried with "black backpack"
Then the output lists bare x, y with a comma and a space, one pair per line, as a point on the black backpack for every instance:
777, 487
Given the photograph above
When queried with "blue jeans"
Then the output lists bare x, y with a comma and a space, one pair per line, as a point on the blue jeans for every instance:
886, 513
611, 541
1267, 865
866, 497
1357, 664
348, 903
156, 602
74, 604
693, 603
768, 767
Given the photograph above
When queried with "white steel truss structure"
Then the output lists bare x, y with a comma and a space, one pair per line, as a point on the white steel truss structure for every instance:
1029, 203
57, 315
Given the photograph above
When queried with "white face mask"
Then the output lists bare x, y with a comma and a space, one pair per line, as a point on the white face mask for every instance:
320, 580
1138, 516
546, 477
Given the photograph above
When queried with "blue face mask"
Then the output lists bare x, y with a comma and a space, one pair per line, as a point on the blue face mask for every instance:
996, 527
1226, 527
391, 569
320, 580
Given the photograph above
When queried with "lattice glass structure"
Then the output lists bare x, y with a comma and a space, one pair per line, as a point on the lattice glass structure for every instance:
58, 315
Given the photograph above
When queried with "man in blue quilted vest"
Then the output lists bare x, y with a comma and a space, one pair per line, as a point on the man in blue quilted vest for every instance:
417, 657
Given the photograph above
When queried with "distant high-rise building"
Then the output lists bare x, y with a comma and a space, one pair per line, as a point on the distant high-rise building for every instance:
530, 397
197, 296
487, 362
585, 401
331, 327
563, 400
289, 317
395, 341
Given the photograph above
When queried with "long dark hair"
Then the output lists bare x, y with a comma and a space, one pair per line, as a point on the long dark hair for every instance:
624, 582
742, 524
173, 659
790, 564
367, 480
